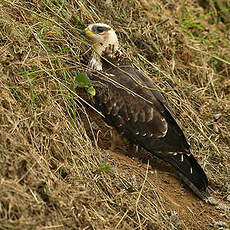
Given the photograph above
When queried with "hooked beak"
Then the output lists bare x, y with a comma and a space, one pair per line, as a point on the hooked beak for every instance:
86, 32
83, 32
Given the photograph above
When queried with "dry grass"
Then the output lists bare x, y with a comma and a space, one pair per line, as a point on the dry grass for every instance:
53, 174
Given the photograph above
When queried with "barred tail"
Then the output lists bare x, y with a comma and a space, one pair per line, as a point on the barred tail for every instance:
190, 171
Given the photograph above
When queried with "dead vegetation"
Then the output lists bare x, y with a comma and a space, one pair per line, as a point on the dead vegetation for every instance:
54, 172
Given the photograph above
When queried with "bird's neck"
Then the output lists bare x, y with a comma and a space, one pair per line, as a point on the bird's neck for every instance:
102, 50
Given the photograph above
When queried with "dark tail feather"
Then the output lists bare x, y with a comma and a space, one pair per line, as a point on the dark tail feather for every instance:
191, 173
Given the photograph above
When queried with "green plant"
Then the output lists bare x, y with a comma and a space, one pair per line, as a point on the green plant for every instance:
83, 81
190, 22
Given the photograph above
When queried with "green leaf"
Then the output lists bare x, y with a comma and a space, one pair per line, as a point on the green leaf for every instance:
104, 168
92, 91
82, 80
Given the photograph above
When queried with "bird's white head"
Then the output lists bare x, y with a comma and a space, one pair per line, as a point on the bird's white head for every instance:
104, 41
102, 36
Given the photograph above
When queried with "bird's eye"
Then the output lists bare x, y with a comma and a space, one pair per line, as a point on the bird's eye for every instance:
100, 29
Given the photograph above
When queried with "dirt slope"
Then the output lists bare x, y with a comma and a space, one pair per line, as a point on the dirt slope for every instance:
57, 170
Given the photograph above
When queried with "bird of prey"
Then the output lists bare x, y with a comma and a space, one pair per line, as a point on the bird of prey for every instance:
131, 103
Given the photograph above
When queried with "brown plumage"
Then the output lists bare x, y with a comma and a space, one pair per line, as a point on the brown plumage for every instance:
131, 103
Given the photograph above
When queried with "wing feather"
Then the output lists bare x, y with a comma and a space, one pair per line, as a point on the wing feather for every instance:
141, 113
144, 111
